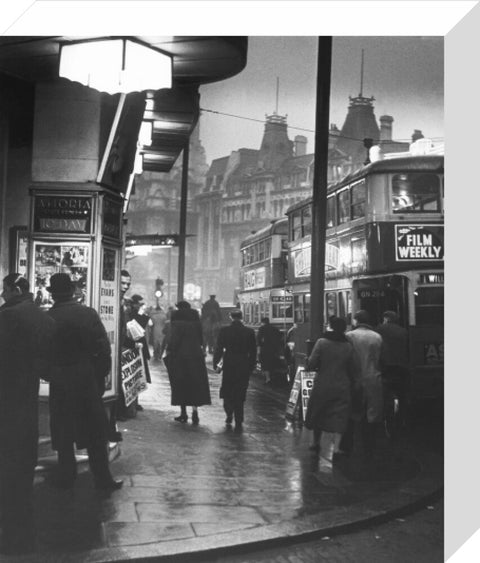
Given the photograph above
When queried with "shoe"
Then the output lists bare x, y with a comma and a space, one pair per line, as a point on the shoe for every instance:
139, 407
314, 448
228, 420
115, 437
113, 485
181, 418
238, 427
195, 419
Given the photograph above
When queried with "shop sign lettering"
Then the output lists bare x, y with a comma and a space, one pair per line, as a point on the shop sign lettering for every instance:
71, 214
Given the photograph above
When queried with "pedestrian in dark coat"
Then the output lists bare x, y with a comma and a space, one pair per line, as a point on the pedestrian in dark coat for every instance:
237, 347
394, 360
329, 406
269, 341
185, 362
81, 363
25, 356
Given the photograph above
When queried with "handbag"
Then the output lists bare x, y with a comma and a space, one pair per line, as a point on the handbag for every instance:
219, 367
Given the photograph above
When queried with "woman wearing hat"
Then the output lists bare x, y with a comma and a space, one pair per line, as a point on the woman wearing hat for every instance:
186, 362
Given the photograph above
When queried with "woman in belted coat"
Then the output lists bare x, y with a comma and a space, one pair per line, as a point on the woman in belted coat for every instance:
185, 361
329, 406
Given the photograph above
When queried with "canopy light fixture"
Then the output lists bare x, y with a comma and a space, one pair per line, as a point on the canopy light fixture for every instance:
116, 65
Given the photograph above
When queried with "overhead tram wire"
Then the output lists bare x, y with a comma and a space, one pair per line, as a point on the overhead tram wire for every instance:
262, 121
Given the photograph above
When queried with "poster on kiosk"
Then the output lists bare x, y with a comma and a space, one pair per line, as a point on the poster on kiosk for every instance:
78, 232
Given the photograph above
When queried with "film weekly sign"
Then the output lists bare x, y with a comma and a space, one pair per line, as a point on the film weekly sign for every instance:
418, 243
63, 214
133, 374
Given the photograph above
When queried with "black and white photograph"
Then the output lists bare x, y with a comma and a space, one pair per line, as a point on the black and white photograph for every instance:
266, 206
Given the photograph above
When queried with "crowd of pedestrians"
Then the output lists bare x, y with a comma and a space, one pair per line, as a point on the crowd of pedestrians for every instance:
355, 371
68, 347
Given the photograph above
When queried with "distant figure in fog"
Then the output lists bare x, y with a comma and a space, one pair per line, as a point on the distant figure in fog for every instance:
394, 359
236, 346
26, 334
159, 318
269, 342
329, 406
368, 346
82, 361
185, 362
211, 317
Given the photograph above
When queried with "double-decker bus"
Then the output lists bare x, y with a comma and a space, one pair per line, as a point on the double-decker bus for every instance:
263, 274
384, 251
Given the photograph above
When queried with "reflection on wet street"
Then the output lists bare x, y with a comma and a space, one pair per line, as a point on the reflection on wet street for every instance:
183, 481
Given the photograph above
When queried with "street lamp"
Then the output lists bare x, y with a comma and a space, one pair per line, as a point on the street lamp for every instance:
115, 65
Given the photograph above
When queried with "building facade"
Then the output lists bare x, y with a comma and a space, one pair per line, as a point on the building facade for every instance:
250, 187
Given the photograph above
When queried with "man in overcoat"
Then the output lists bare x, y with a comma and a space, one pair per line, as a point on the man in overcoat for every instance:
269, 341
236, 345
25, 356
82, 360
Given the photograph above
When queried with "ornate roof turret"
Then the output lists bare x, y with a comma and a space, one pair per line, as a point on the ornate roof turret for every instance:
276, 146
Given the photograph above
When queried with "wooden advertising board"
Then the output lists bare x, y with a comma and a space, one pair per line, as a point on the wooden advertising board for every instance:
292, 404
300, 393
307, 378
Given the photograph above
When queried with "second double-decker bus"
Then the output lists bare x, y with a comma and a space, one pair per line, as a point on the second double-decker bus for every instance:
384, 251
263, 274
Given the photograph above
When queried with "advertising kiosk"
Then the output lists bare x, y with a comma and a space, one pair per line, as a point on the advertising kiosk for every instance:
77, 229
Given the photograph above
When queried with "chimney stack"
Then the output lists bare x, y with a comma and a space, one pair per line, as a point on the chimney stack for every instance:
417, 134
300, 144
386, 127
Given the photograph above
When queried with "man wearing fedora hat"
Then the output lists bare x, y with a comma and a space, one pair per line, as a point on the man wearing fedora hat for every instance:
82, 360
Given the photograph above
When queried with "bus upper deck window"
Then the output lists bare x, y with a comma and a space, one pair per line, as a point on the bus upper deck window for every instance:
307, 221
330, 212
343, 206
358, 196
415, 193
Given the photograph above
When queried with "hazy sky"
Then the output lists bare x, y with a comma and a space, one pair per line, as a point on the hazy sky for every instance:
404, 74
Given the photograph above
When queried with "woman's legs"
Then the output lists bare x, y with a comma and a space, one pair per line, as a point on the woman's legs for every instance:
195, 419
183, 414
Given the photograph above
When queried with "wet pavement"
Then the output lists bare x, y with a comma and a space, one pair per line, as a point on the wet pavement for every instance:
194, 492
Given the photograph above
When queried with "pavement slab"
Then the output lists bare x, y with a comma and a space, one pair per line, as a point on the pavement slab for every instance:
193, 490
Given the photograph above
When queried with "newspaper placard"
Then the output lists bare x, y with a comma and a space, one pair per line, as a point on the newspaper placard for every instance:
133, 374
307, 384
292, 404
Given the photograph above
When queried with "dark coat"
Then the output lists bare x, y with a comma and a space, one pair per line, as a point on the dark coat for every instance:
269, 340
185, 360
82, 362
236, 345
395, 344
25, 356
329, 406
